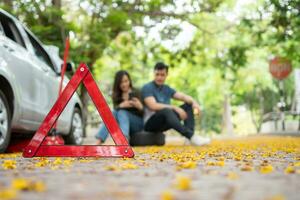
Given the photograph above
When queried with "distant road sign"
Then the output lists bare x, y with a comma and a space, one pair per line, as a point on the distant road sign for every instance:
280, 68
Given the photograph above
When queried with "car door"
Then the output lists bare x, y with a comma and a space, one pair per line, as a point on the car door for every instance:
49, 81
46, 76
20, 69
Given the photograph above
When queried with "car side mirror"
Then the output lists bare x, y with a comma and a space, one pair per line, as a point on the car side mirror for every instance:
69, 67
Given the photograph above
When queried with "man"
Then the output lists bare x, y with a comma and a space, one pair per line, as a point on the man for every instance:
160, 115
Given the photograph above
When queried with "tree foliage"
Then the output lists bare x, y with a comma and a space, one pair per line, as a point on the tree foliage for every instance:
214, 47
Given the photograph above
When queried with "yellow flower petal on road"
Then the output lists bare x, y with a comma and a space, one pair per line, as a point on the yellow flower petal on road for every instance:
290, 170
111, 168
187, 165
220, 163
38, 186
86, 160
8, 194
55, 167
183, 183
266, 169
210, 163
232, 176
167, 195
217, 163
237, 158
68, 162
57, 161
297, 164
42, 163
9, 164
129, 166
10, 155
221, 159
276, 197
21, 184
247, 168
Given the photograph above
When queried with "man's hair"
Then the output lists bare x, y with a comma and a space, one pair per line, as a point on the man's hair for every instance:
161, 66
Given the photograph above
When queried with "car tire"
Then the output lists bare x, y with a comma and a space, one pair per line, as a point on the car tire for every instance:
5, 123
76, 133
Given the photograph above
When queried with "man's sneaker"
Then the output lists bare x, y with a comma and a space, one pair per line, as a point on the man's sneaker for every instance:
199, 141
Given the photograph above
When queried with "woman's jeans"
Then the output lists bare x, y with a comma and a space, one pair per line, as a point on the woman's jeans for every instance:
128, 122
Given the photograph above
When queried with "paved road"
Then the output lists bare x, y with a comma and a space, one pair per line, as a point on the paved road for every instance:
257, 168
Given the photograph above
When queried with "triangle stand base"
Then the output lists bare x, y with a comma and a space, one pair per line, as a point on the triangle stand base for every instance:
84, 151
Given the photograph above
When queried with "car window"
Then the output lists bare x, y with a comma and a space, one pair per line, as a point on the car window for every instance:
1, 29
40, 52
10, 30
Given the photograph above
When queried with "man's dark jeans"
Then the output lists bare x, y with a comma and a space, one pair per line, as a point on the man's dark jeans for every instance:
167, 118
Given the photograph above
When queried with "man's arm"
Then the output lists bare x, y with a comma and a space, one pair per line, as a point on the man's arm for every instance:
152, 104
155, 106
187, 99
183, 97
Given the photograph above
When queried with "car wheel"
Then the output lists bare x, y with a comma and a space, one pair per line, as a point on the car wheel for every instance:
5, 122
76, 132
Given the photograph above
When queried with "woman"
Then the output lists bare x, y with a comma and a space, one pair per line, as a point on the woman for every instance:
128, 109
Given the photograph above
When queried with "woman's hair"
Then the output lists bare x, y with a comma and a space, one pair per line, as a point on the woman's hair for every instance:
117, 92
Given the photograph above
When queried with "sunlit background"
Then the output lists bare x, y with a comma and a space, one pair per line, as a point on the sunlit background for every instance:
218, 51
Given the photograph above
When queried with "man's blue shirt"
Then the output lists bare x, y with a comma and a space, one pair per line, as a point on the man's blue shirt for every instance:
161, 93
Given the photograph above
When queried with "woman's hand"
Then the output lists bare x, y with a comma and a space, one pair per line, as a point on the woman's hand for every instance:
126, 104
135, 102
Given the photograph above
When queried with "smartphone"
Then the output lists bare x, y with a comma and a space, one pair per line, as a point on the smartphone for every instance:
131, 95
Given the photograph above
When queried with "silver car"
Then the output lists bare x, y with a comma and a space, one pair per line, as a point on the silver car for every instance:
29, 82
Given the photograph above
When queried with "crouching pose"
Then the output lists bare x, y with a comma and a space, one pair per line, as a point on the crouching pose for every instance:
160, 115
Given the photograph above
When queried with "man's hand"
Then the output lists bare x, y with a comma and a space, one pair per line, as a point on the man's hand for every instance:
189, 100
182, 114
196, 108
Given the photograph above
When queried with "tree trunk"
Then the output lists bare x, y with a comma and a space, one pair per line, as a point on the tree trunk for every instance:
56, 3
8, 4
227, 126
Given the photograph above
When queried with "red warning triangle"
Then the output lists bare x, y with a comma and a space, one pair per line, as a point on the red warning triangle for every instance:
121, 149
